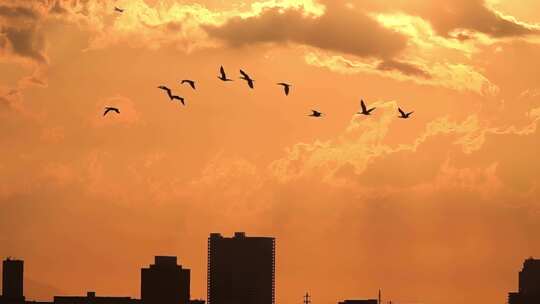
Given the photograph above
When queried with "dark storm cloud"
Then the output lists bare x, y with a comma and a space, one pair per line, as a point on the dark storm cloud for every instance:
339, 29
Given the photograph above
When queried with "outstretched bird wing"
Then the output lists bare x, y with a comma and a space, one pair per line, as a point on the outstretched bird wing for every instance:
363, 105
108, 109
190, 82
286, 87
164, 88
222, 72
179, 98
401, 111
246, 76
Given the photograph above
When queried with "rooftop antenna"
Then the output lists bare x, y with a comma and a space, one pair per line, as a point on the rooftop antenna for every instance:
307, 299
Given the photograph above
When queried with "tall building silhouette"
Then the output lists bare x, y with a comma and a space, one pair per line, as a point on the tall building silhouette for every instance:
241, 269
165, 282
12, 281
529, 284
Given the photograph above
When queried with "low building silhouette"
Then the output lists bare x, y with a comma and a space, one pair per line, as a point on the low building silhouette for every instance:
91, 298
369, 301
529, 284
165, 282
12, 281
241, 269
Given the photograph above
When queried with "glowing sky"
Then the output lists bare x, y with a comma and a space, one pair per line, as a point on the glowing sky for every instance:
438, 209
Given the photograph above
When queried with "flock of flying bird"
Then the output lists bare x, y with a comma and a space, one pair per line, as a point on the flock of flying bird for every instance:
250, 82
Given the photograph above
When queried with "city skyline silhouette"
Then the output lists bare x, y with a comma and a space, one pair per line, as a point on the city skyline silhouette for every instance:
241, 269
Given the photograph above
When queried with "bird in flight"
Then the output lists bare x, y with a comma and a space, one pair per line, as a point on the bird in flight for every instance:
222, 75
190, 82
315, 113
109, 109
286, 87
403, 114
120, 10
171, 96
365, 110
247, 78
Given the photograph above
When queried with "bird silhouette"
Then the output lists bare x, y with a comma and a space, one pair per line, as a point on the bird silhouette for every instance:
118, 9
247, 78
109, 109
179, 98
315, 113
286, 87
365, 110
403, 114
171, 96
222, 75
190, 82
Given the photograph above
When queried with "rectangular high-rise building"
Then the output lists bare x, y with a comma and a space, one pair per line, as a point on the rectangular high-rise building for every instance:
12, 281
165, 282
529, 284
241, 269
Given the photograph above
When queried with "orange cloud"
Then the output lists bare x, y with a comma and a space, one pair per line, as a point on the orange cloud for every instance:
454, 76
21, 33
331, 31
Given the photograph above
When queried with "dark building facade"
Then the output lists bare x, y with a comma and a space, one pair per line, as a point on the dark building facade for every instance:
165, 282
529, 284
91, 298
241, 269
12, 281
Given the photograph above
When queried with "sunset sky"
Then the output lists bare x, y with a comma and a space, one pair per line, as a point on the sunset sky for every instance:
439, 209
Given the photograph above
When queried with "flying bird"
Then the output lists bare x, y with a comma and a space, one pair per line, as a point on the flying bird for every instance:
109, 109
222, 75
179, 98
171, 96
365, 110
120, 10
403, 114
315, 113
166, 89
286, 87
190, 82
247, 78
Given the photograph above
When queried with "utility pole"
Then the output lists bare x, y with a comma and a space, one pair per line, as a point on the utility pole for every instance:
307, 299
